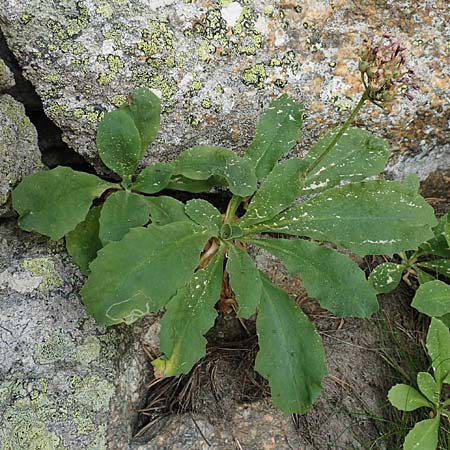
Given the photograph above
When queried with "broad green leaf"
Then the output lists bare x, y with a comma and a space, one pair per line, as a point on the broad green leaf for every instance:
279, 190
428, 386
439, 244
83, 242
438, 346
334, 279
122, 211
202, 162
424, 435
372, 217
277, 132
164, 210
357, 155
139, 274
180, 183
432, 298
412, 182
445, 319
386, 277
205, 214
406, 398
189, 315
145, 108
422, 276
244, 280
441, 266
55, 202
153, 178
119, 143
291, 354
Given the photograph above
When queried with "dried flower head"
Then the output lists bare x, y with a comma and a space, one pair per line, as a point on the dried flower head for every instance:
384, 71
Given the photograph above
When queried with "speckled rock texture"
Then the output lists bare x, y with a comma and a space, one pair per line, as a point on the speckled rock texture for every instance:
6, 77
217, 63
65, 383
19, 151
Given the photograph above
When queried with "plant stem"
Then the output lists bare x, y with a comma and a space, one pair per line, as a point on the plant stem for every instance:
338, 135
232, 208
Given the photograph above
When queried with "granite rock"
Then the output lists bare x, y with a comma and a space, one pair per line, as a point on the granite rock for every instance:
6, 77
19, 151
65, 383
217, 63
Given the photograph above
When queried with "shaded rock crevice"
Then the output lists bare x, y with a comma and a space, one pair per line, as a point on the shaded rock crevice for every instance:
54, 150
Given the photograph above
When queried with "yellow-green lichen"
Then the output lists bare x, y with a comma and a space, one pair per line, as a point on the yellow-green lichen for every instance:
206, 103
94, 116
104, 79
118, 100
105, 10
88, 351
254, 76
92, 392
45, 268
115, 63
57, 346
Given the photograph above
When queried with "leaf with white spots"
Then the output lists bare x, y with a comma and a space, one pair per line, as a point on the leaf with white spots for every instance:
277, 132
279, 190
424, 435
422, 276
428, 387
180, 183
153, 178
441, 266
203, 162
372, 217
386, 277
334, 279
189, 315
139, 274
432, 298
357, 155
54, 202
291, 354
438, 346
205, 214
439, 244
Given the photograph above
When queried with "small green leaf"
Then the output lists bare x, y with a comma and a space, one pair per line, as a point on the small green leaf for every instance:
119, 143
205, 214
165, 210
121, 212
428, 387
202, 162
438, 346
55, 202
445, 319
441, 266
424, 435
230, 231
145, 108
334, 279
406, 398
386, 277
180, 183
357, 155
412, 182
277, 132
432, 298
279, 190
422, 276
439, 244
153, 178
139, 274
83, 242
291, 354
244, 280
372, 217
189, 315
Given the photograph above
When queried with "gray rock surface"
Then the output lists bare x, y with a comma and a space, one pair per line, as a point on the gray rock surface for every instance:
65, 383
216, 63
19, 152
6, 77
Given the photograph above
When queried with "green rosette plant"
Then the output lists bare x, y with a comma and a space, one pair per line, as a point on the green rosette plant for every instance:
425, 434
144, 252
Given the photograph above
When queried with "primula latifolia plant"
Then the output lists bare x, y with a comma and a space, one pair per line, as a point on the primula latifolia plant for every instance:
144, 253
425, 434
